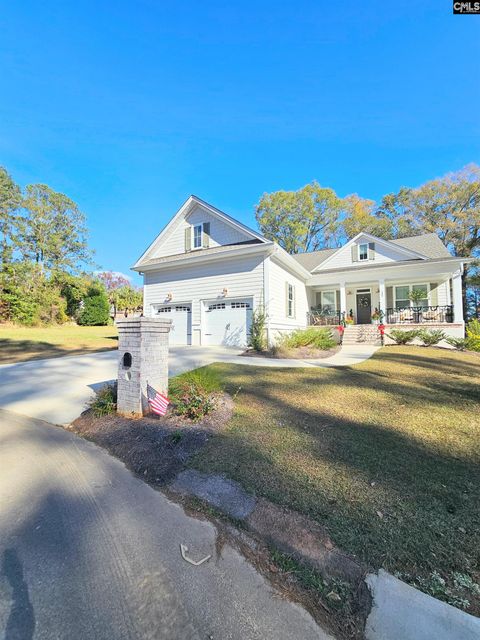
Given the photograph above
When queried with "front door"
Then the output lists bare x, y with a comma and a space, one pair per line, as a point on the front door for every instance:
364, 308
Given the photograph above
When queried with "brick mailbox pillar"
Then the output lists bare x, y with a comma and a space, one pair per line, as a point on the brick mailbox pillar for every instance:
143, 357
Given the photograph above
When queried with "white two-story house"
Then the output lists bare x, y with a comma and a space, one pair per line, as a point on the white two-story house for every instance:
208, 272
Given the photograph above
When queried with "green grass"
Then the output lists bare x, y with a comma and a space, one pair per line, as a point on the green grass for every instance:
31, 343
386, 455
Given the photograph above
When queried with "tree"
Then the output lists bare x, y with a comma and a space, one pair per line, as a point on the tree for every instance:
54, 235
359, 214
96, 308
300, 221
127, 298
448, 206
10, 201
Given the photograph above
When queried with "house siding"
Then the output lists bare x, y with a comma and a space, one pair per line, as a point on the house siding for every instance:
343, 258
243, 277
173, 243
276, 304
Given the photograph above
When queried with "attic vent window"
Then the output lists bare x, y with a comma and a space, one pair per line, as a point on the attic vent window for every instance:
363, 252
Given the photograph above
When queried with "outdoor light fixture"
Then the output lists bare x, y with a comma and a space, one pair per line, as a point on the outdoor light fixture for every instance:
169, 296
225, 291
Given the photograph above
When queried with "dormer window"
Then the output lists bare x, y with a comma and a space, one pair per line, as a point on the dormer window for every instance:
362, 252
197, 237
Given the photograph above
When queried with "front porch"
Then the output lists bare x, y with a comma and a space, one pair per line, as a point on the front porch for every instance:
430, 300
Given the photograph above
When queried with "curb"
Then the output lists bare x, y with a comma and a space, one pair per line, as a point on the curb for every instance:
393, 609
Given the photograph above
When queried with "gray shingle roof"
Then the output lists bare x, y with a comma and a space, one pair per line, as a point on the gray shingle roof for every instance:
313, 258
428, 244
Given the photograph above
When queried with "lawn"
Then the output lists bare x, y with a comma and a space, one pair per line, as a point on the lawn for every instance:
385, 454
31, 343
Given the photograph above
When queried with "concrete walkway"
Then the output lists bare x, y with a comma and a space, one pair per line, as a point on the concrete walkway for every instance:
90, 552
57, 389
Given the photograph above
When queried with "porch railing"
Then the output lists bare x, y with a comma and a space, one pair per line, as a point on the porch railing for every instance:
325, 318
419, 315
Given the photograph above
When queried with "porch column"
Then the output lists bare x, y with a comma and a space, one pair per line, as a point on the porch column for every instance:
382, 296
457, 297
343, 298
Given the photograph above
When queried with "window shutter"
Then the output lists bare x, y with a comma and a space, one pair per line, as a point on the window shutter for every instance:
354, 253
294, 302
337, 300
433, 294
286, 299
389, 291
206, 235
371, 251
188, 239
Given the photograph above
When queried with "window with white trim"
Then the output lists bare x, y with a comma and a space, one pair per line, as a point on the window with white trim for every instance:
197, 236
290, 300
402, 295
328, 300
362, 252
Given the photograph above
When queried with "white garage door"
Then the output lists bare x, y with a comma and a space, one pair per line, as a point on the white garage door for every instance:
181, 317
228, 323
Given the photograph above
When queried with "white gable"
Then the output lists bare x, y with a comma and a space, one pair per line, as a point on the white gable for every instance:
221, 233
223, 230
380, 251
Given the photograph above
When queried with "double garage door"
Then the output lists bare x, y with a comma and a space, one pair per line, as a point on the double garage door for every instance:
224, 323
227, 323
181, 317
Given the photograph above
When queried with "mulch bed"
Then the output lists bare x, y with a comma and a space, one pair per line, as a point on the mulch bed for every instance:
155, 447
299, 353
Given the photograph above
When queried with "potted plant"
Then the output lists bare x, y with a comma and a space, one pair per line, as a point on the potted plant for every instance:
377, 316
349, 318
416, 296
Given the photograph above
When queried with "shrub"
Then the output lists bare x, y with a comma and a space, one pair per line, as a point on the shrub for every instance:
473, 335
257, 339
191, 393
105, 401
96, 310
315, 337
400, 336
458, 343
430, 338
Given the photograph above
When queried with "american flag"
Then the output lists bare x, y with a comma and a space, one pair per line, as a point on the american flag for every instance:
158, 403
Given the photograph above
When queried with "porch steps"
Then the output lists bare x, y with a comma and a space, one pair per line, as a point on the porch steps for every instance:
362, 334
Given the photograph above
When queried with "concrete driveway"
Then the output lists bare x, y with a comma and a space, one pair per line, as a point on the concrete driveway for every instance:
88, 551
57, 390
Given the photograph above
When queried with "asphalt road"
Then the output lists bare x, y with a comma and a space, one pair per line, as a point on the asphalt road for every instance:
88, 551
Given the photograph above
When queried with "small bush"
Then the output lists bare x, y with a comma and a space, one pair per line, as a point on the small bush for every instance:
191, 393
430, 338
400, 336
473, 335
315, 337
457, 343
257, 339
105, 402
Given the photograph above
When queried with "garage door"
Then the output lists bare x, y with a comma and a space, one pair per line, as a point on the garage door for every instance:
228, 323
181, 317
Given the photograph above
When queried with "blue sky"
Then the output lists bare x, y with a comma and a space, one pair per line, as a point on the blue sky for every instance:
128, 107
